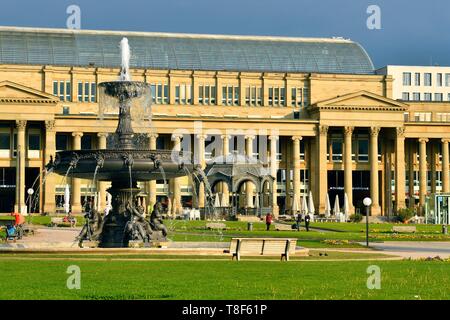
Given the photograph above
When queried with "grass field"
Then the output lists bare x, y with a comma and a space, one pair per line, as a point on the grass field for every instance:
323, 234
204, 279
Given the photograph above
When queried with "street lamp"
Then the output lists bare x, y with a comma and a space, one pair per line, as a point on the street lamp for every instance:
30, 193
367, 203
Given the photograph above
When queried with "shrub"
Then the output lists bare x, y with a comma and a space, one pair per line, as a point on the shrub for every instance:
405, 214
356, 217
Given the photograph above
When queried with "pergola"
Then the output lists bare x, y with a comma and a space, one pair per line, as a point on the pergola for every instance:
235, 170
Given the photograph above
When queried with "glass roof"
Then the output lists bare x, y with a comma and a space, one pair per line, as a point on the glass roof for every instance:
183, 52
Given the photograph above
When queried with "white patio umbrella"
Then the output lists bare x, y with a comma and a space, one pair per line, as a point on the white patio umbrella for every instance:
217, 201
67, 199
346, 207
144, 205
225, 201
108, 203
257, 201
169, 206
295, 204
305, 209
337, 209
311, 208
97, 201
327, 207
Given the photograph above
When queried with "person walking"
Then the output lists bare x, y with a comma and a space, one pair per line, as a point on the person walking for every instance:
307, 220
268, 221
299, 220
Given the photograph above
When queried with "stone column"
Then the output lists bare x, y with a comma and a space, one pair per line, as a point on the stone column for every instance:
296, 168
20, 205
200, 158
348, 166
422, 172
152, 184
50, 151
176, 201
445, 166
412, 161
250, 187
433, 166
273, 171
102, 186
374, 183
322, 170
76, 183
225, 151
400, 168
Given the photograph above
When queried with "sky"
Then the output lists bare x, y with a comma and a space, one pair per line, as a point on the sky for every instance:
413, 32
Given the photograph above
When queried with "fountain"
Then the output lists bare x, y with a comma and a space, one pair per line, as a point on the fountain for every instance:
124, 165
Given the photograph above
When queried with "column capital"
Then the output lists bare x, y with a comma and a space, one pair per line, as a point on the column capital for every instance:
250, 137
77, 134
322, 130
21, 124
152, 135
445, 140
297, 138
102, 134
177, 136
374, 131
400, 132
202, 136
50, 125
274, 137
423, 140
348, 131
226, 136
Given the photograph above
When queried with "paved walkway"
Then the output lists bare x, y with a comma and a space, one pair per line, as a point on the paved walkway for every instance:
414, 249
52, 235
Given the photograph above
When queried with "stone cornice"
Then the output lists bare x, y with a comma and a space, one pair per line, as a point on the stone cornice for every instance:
359, 108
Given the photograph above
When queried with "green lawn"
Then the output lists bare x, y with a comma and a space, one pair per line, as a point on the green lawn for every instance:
166, 279
314, 254
324, 234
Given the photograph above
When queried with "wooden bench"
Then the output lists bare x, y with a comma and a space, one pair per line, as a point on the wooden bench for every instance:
404, 229
327, 220
57, 221
262, 247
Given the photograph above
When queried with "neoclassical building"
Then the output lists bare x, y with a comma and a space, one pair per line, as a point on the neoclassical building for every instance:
314, 111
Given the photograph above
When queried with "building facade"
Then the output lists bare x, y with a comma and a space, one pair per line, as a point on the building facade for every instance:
314, 110
419, 83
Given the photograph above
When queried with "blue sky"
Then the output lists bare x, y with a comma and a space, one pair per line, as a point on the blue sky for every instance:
413, 32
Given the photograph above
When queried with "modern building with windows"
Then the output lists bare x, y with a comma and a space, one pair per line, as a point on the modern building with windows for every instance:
315, 111
419, 83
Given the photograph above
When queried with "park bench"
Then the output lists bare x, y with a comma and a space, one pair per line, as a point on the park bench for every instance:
216, 226
58, 221
404, 229
327, 220
262, 247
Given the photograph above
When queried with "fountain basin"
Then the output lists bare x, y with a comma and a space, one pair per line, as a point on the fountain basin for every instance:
113, 164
